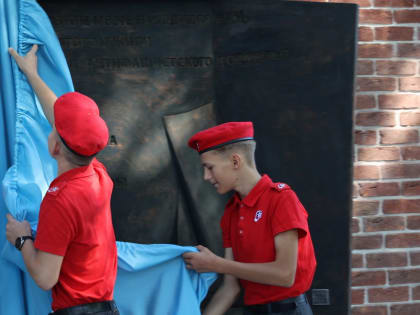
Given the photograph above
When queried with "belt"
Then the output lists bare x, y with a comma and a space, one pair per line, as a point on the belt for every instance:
277, 306
90, 308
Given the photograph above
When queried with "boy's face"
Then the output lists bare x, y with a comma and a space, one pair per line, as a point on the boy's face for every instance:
219, 171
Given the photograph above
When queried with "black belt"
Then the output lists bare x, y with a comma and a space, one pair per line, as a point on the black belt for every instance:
90, 308
278, 306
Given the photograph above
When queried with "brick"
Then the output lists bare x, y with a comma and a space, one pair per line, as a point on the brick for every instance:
400, 171
415, 258
385, 119
383, 223
405, 309
394, 33
407, 16
365, 101
410, 119
410, 84
376, 84
357, 296
355, 225
410, 153
375, 50
362, 278
365, 172
362, 208
400, 67
357, 261
367, 242
392, 294
403, 240
379, 189
396, 136
411, 188
365, 137
379, 154
370, 16
404, 276
311, 0
361, 3
416, 293
369, 310
393, 3
413, 222
382, 260
364, 67
355, 190
408, 50
399, 101
397, 206
366, 34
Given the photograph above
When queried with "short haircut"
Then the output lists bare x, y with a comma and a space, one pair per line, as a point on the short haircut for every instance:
74, 158
247, 148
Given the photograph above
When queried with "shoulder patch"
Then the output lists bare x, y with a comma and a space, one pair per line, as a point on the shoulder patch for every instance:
280, 186
54, 190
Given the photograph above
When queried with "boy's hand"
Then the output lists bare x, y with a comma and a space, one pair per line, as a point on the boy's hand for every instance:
29, 66
203, 261
29, 63
15, 229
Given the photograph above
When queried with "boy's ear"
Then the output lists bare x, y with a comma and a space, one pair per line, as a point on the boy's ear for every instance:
236, 160
57, 147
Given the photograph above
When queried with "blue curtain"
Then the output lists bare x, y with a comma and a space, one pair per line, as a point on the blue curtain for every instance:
152, 279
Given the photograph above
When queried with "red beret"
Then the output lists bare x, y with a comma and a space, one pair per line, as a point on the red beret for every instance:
79, 125
221, 135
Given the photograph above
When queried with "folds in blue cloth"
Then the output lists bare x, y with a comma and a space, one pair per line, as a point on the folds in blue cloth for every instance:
152, 279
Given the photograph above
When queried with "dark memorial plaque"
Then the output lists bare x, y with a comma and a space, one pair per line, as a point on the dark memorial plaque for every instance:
161, 71
292, 74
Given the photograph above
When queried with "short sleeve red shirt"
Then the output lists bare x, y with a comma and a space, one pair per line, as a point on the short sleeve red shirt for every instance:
75, 222
249, 226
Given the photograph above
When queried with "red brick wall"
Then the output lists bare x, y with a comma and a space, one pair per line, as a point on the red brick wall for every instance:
386, 207
386, 197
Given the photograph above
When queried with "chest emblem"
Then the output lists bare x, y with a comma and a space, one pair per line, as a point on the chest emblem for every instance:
280, 186
53, 189
258, 215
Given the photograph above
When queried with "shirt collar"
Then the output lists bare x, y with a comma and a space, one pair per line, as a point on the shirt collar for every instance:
255, 193
74, 173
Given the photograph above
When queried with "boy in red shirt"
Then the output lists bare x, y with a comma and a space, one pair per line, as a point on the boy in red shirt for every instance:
75, 251
266, 236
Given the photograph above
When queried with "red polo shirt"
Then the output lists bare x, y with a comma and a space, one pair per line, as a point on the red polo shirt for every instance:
249, 227
75, 222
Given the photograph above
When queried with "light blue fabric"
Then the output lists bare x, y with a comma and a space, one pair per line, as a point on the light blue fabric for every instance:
152, 279
11, 283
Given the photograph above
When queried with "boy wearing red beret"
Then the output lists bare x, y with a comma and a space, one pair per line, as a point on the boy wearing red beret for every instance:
268, 246
74, 252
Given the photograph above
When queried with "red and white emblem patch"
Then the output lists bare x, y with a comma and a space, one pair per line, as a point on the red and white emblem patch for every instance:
258, 215
53, 189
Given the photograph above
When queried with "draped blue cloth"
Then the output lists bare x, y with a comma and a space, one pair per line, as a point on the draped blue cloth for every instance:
152, 279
